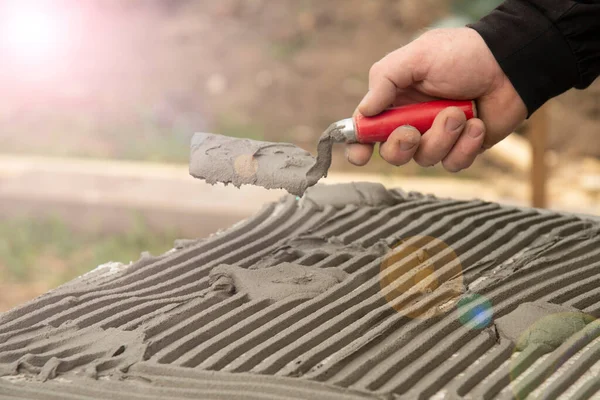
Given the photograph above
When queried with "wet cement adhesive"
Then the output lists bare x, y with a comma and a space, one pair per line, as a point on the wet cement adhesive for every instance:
288, 304
96, 350
218, 158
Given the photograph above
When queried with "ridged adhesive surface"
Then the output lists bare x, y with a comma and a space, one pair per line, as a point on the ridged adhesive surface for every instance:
388, 296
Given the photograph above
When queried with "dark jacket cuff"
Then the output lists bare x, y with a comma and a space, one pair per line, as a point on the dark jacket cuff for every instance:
531, 51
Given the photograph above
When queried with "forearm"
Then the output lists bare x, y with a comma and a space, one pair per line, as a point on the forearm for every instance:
545, 47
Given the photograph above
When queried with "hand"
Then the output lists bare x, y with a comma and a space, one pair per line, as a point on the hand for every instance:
451, 64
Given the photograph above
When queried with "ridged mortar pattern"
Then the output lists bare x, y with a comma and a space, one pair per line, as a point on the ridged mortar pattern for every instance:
164, 326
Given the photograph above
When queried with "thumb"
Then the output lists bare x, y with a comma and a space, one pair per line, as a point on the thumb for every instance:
380, 97
386, 77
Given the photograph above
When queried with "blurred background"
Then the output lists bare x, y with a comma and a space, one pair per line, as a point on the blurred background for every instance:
101, 97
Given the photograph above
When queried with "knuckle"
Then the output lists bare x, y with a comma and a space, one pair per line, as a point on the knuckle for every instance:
456, 113
375, 69
419, 62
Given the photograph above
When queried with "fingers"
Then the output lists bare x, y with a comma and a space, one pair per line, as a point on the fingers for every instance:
437, 142
467, 147
359, 154
452, 140
397, 150
401, 145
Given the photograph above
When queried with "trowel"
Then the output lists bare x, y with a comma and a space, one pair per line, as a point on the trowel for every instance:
217, 158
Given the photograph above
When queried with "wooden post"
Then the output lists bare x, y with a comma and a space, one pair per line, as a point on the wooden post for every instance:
538, 134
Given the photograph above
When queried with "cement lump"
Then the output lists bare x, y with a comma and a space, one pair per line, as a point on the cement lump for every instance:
357, 193
539, 323
275, 283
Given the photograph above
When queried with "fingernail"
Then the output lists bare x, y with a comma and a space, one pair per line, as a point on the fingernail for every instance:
410, 127
452, 124
410, 134
475, 131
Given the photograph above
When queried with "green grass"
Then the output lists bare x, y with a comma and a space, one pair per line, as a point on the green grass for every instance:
47, 250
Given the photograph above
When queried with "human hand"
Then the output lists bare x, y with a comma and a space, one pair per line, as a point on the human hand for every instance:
451, 64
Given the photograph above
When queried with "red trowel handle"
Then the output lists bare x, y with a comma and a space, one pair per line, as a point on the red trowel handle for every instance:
377, 129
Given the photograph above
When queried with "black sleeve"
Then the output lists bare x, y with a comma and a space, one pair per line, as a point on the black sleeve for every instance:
545, 47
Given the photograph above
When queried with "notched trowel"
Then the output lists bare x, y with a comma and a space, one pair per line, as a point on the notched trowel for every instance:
218, 158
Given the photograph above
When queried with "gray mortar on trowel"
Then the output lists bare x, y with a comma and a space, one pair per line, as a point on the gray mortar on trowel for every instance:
218, 158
